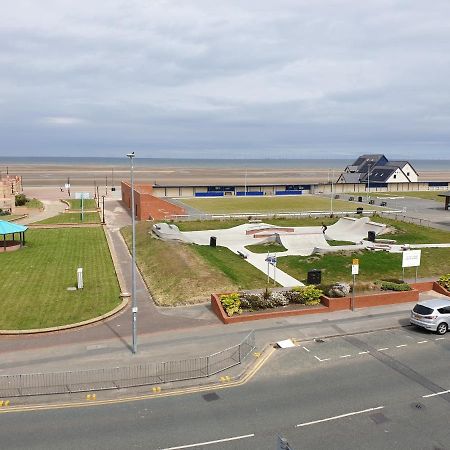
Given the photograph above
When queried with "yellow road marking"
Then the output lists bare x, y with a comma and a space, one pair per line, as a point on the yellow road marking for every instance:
176, 392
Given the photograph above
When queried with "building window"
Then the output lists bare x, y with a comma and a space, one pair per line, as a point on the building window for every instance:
395, 176
407, 173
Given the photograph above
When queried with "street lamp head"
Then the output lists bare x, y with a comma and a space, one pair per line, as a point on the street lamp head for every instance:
130, 155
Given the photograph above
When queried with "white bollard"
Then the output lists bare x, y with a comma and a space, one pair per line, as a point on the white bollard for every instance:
80, 278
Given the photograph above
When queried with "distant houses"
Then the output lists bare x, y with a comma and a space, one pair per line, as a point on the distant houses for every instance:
377, 170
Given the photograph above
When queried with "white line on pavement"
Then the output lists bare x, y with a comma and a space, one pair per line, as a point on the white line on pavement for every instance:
321, 360
421, 342
381, 349
439, 339
304, 348
339, 417
345, 356
402, 345
211, 442
363, 353
436, 393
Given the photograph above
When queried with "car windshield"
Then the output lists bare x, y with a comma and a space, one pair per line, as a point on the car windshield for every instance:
422, 310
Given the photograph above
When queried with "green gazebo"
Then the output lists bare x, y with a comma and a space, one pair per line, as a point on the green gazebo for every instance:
11, 229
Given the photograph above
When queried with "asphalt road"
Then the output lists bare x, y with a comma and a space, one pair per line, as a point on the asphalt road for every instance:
360, 391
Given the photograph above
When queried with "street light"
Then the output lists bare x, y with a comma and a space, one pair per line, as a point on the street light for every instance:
103, 201
134, 308
368, 183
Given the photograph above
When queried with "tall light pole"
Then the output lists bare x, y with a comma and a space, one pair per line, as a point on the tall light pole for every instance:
368, 183
103, 210
134, 308
331, 196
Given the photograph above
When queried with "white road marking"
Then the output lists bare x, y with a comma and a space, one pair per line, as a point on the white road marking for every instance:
339, 417
436, 393
363, 353
345, 356
304, 348
422, 342
381, 349
439, 339
321, 360
211, 442
402, 345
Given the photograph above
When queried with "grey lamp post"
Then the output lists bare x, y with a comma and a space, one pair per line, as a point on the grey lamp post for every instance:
134, 308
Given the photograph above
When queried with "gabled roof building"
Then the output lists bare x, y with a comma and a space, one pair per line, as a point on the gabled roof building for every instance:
378, 170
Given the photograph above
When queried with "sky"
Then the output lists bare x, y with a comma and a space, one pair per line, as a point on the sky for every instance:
225, 79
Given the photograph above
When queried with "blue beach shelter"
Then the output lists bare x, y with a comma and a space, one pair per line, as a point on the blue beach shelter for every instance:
11, 229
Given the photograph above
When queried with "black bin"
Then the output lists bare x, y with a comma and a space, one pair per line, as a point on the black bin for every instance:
359, 210
314, 276
212, 241
371, 202
360, 199
113, 189
371, 236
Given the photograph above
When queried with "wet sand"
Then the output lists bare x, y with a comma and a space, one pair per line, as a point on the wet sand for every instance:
90, 175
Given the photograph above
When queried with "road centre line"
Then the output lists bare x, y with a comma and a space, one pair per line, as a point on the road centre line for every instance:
363, 353
345, 356
381, 349
354, 413
439, 339
245, 436
435, 394
304, 348
421, 342
401, 345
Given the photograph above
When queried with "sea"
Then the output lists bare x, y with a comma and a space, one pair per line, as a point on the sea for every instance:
279, 163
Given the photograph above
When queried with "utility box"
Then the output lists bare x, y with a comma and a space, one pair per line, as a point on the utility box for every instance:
314, 276
80, 278
359, 210
371, 236
212, 241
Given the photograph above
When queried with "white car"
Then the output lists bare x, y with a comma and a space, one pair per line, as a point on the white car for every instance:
432, 315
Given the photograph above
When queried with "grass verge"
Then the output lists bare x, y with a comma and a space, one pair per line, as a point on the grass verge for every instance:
35, 279
90, 217
88, 203
271, 247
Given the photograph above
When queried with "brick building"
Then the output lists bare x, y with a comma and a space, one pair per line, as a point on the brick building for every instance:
9, 187
147, 206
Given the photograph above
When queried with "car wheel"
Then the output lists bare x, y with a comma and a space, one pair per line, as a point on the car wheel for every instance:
441, 328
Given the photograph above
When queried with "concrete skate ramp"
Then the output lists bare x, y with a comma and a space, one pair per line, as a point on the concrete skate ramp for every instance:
303, 244
353, 230
169, 232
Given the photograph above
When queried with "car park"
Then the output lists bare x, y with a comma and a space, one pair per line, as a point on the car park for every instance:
433, 315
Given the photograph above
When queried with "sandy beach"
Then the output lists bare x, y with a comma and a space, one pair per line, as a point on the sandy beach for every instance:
34, 175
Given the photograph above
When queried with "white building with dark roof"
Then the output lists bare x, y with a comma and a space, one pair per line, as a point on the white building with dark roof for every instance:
378, 170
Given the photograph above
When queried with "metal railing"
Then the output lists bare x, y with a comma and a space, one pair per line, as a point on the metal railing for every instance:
122, 377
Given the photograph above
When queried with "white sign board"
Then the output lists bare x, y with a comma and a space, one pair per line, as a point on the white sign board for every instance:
355, 269
411, 258
82, 195
67, 186
80, 284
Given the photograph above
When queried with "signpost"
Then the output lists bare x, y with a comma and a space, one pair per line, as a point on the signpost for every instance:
411, 258
271, 260
355, 271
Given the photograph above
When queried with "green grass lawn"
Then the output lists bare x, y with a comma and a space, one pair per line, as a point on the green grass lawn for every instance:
35, 279
372, 265
88, 203
427, 195
271, 247
179, 274
248, 205
9, 217
34, 203
90, 217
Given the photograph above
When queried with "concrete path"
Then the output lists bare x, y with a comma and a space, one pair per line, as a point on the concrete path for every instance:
51, 208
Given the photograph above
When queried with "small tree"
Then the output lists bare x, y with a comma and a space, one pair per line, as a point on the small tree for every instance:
21, 199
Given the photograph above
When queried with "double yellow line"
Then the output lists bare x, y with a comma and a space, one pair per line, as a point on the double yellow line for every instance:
157, 393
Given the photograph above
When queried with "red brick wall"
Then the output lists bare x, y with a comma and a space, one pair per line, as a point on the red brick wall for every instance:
147, 205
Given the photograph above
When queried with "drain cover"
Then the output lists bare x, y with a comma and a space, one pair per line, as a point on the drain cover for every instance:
417, 405
379, 418
210, 397
319, 341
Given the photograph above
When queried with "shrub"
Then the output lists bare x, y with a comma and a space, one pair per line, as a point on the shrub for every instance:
306, 295
21, 199
293, 296
279, 299
4, 213
444, 281
391, 286
248, 301
231, 304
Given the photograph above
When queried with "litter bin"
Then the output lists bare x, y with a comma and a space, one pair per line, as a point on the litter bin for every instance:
350, 199
212, 241
371, 202
360, 199
359, 210
371, 236
314, 276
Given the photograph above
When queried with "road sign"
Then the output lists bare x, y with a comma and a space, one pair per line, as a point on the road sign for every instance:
411, 258
355, 269
272, 260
